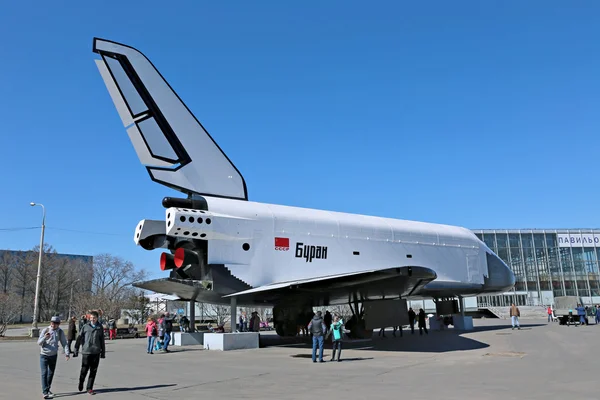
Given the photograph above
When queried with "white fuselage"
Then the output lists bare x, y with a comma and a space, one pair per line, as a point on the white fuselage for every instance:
242, 236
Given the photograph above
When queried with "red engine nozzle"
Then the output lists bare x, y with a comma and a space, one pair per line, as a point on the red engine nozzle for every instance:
167, 261
184, 257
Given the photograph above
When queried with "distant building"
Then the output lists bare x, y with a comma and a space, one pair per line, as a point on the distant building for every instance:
18, 274
547, 263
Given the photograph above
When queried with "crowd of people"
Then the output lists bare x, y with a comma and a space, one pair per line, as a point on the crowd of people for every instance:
159, 331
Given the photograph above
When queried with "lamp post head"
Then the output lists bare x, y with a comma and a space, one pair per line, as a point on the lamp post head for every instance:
32, 204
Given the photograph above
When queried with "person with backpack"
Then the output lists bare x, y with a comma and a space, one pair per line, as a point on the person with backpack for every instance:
317, 328
151, 334
337, 330
112, 329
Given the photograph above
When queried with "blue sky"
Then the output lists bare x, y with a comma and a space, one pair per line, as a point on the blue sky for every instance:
479, 114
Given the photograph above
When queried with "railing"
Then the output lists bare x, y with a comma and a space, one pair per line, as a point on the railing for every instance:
493, 310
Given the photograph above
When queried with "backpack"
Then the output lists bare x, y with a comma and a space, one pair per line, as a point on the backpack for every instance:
337, 331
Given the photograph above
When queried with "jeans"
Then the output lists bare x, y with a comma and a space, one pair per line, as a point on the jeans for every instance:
151, 340
515, 321
47, 365
89, 362
337, 345
549, 317
319, 340
167, 340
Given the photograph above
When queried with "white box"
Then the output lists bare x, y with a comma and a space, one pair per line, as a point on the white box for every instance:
231, 341
187, 339
462, 323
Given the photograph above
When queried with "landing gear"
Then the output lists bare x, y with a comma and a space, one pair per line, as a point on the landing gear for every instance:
356, 324
287, 319
286, 329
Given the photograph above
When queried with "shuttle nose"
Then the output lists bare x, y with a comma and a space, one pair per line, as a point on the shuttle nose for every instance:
501, 277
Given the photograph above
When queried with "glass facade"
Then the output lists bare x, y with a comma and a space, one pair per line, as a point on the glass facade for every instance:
548, 262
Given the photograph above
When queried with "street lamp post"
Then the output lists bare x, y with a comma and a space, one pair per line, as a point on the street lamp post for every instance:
36, 311
71, 297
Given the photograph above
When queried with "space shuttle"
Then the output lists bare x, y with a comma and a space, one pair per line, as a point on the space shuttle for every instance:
217, 244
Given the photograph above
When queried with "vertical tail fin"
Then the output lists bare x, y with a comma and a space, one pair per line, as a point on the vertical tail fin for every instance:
172, 144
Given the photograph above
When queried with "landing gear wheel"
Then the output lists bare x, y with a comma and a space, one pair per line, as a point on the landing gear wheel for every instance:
358, 330
284, 329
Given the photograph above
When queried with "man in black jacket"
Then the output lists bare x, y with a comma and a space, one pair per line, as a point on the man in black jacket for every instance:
91, 339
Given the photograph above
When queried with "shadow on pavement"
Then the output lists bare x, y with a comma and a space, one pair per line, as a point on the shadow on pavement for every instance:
506, 326
326, 357
435, 342
132, 389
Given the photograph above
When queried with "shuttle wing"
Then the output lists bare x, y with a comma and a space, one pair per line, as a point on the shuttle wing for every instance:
175, 148
338, 289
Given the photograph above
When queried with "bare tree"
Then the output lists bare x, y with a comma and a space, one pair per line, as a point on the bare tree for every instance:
7, 266
221, 313
343, 311
23, 282
9, 310
138, 307
111, 288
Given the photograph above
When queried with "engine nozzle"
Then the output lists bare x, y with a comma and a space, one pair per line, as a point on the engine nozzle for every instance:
167, 262
184, 258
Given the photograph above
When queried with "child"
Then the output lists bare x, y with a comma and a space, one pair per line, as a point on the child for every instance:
336, 329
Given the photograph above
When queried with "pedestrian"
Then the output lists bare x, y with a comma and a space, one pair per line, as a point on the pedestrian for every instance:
91, 340
256, 322
167, 329
151, 334
180, 321
327, 318
581, 312
422, 323
317, 328
411, 320
82, 321
549, 311
112, 329
72, 332
337, 329
48, 341
161, 332
514, 316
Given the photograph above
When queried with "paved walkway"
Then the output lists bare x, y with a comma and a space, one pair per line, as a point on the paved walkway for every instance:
540, 361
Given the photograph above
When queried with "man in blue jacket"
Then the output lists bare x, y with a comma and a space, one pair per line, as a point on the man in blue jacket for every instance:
91, 340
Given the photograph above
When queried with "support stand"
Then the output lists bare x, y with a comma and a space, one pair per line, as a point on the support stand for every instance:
462, 322
233, 314
192, 316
